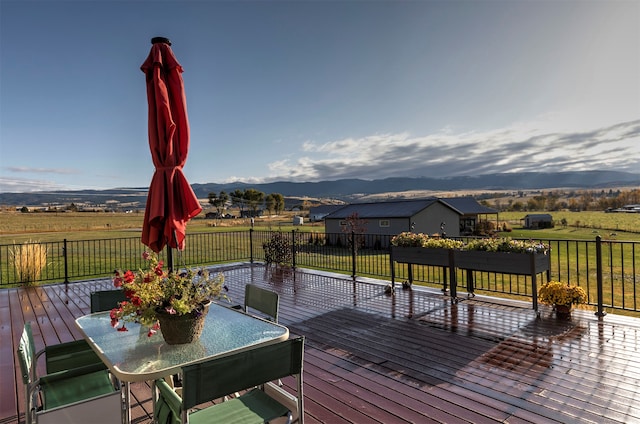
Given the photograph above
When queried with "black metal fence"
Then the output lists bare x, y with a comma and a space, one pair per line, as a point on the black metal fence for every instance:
608, 270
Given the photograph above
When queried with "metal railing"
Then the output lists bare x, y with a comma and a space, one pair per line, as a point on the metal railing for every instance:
607, 270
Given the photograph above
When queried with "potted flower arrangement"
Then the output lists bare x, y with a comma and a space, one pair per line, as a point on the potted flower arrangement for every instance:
408, 239
419, 248
561, 296
507, 245
157, 298
502, 255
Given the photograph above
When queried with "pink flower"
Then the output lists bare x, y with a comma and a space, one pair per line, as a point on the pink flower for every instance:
146, 255
123, 328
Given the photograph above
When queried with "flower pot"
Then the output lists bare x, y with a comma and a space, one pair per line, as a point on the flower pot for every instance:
180, 329
563, 311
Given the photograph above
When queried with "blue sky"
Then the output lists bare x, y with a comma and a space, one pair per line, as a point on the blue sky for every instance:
320, 90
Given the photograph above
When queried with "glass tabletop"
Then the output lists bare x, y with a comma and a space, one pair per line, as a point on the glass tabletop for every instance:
133, 356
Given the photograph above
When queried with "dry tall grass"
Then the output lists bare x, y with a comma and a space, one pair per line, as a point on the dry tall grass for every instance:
29, 260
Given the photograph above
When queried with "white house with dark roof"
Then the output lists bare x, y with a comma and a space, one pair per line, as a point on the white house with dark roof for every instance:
429, 216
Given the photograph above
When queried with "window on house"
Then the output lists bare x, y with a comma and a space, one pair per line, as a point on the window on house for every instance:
343, 223
383, 223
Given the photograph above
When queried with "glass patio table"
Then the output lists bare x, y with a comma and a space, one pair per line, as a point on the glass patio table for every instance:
132, 356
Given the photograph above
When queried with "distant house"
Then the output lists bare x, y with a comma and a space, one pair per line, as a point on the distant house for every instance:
626, 209
317, 213
429, 216
538, 220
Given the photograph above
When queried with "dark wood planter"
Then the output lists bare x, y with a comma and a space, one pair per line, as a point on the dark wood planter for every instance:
424, 256
420, 256
530, 264
503, 262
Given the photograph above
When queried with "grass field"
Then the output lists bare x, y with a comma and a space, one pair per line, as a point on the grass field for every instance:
581, 225
18, 227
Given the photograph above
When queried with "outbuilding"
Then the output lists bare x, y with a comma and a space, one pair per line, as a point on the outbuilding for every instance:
538, 220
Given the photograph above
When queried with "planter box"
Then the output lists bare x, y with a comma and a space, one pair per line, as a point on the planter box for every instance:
530, 264
420, 256
503, 262
424, 256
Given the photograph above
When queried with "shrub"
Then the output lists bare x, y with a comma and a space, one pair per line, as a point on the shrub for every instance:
277, 250
29, 260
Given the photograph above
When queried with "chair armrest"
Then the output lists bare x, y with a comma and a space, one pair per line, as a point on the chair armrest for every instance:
168, 404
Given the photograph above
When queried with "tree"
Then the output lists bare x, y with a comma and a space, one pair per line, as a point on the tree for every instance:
238, 199
355, 226
270, 203
219, 202
254, 199
279, 202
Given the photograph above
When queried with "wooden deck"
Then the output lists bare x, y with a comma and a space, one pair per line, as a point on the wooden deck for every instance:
413, 357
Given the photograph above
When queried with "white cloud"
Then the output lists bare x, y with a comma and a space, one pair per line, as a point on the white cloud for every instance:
521, 147
24, 185
24, 169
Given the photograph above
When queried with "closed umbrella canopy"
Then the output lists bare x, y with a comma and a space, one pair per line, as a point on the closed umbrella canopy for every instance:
171, 202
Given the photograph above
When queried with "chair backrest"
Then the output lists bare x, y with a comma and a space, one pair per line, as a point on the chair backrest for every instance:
105, 300
263, 300
27, 354
218, 377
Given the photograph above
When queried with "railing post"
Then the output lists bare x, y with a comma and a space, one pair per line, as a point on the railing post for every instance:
66, 264
293, 249
251, 245
353, 255
599, 282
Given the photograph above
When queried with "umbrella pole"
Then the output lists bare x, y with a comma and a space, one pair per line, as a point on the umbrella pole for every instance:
170, 250
170, 258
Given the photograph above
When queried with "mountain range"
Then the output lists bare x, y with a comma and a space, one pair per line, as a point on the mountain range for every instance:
348, 189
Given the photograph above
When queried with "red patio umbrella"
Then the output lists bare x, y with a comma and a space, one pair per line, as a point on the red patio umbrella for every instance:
171, 202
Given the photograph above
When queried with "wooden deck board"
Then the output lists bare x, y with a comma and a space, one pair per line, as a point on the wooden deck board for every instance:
413, 357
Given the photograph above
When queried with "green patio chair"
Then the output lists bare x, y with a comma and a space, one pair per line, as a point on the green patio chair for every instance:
78, 353
246, 370
73, 395
255, 298
263, 300
105, 300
